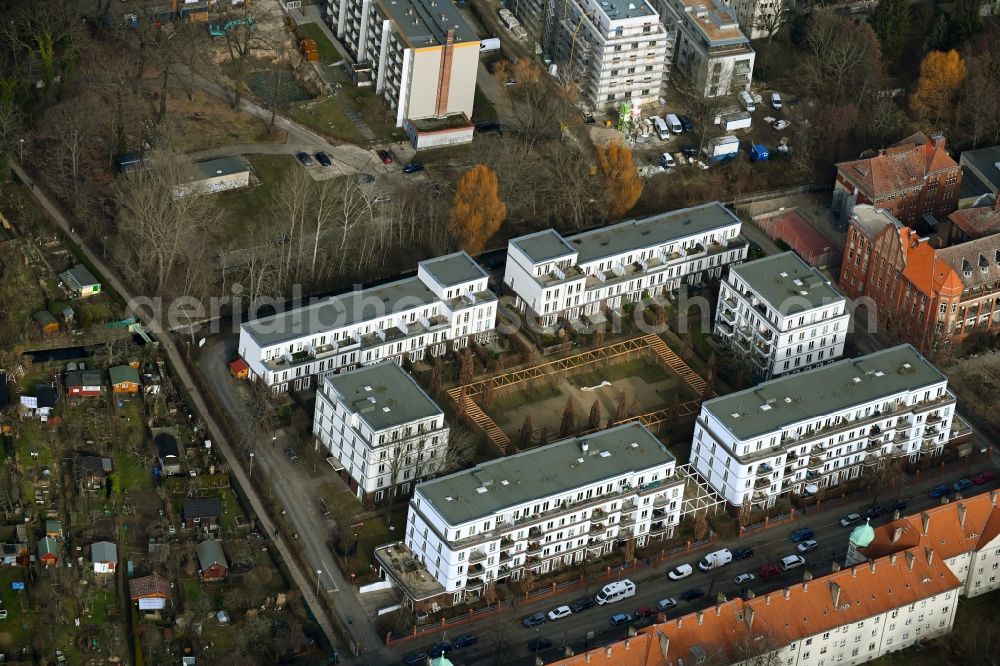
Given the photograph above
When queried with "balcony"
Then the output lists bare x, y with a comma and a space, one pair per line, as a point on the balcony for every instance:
505, 556
764, 469
766, 334
874, 446
535, 533
477, 556
661, 500
930, 433
627, 520
534, 547
597, 513
628, 506
730, 301
598, 528
659, 513
759, 495
474, 583
657, 528
815, 463
792, 456
810, 475
933, 418
762, 482
725, 327
875, 432
476, 570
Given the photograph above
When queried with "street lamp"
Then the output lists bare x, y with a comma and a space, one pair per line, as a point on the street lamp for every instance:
319, 572
250, 475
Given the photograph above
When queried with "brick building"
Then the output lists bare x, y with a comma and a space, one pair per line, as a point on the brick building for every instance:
931, 297
912, 179
972, 223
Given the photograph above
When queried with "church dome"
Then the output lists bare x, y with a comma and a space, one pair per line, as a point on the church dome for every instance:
862, 535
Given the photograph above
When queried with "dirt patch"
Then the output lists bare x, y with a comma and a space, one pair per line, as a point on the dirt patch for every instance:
205, 121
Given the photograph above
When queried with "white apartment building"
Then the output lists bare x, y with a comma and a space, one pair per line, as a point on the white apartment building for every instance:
613, 49
781, 315
711, 51
592, 272
444, 304
964, 532
816, 428
542, 509
759, 18
846, 617
384, 431
420, 55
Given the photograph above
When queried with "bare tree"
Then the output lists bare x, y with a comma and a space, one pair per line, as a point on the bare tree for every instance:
242, 37
461, 451
500, 633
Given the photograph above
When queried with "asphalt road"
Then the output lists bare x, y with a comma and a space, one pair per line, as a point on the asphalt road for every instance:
769, 547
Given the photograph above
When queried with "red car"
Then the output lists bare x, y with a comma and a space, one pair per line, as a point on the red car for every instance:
983, 477
643, 611
384, 155
769, 570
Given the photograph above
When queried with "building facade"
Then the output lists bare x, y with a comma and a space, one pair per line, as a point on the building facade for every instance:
933, 298
445, 304
384, 431
913, 179
965, 533
542, 509
760, 18
848, 616
814, 429
781, 315
711, 51
421, 55
597, 271
614, 50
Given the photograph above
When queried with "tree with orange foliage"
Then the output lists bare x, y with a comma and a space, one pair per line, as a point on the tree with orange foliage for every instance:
621, 177
477, 212
941, 77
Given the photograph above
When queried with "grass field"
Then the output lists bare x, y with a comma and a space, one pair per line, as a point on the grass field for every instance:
248, 208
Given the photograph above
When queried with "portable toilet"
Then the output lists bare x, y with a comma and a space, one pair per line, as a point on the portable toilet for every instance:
759, 153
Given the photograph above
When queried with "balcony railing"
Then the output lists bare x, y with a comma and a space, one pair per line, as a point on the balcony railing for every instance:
505, 556
658, 528
597, 528
762, 482
474, 583
475, 569
815, 463
627, 520
661, 500
476, 556
764, 469
534, 547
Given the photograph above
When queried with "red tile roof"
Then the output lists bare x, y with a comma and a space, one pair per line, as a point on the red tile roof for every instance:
777, 619
149, 586
901, 167
977, 222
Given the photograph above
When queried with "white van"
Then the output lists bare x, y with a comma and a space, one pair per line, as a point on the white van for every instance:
613, 592
747, 100
719, 558
674, 123
661, 128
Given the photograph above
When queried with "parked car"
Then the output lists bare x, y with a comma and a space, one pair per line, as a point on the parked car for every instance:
807, 546
384, 155
940, 491
323, 158
536, 644
619, 619
583, 604
643, 611
792, 562
961, 485
323, 507
692, 594
801, 534
413, 167
465, 640
850, 519
898, 505
559, 613
744, 553
667, 161
666, 604
875, 512
983, 477
679, 572
415, 658
304, 158
686, 123
769, 570
444, 647
776, 100
744, 578
534, 620
690, 151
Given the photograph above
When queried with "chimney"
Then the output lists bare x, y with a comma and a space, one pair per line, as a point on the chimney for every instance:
910, 557
835, 567
701, 617
806, 577
628, 641
938, 243
896, 534
871, 565
937, 140
925, 520
586, 658
748, 618
631, 631
854, 571
718, 610
680, 622
664, 645
607, 650
788, 593
835, 594
929, 554
568, 652
961, 515
767, 599
750, 594
892, 559
994, 493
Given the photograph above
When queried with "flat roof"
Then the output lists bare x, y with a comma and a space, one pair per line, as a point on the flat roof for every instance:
223, 166
543, 472
787, 283
453, 269
383, 395
543, 245
778, 403
985, 161
649, 231
626, 9
716, 21
424, 23
79, 275
339, 311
